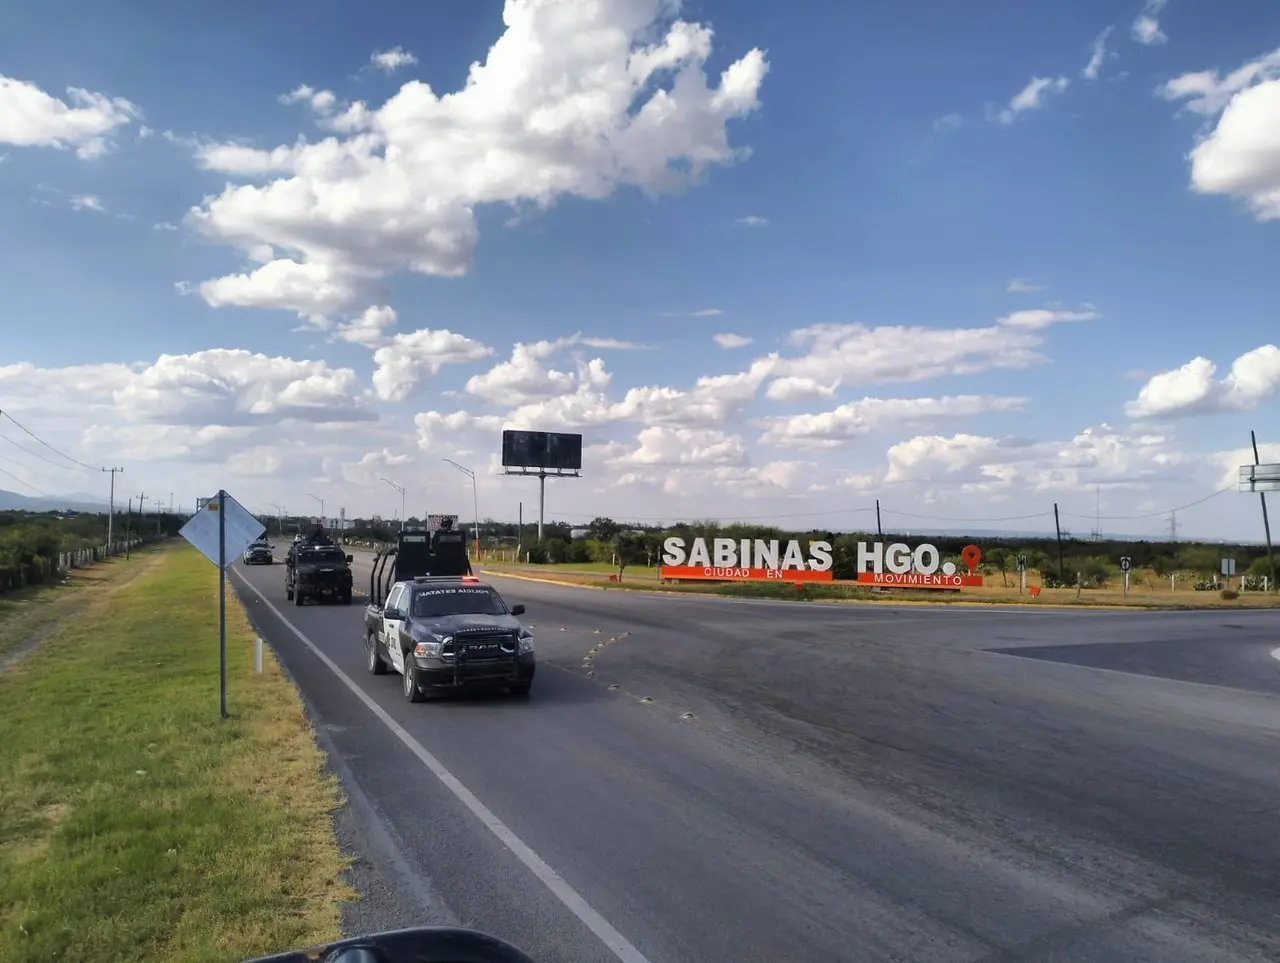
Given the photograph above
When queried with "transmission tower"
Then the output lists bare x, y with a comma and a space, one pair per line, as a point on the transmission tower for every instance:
1173, 526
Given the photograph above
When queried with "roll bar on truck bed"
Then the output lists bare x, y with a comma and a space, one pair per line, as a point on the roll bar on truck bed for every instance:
418, 552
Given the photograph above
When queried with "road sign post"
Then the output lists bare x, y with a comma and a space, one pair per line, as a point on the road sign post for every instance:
220, 530
1021, 565
1261, 479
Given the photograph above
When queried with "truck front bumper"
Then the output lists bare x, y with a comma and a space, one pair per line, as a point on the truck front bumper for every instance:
435, 674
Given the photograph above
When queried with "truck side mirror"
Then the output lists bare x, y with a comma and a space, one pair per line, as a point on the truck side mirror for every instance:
350, 558
517, 609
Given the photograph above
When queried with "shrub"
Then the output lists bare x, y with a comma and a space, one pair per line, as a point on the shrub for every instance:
1230, 594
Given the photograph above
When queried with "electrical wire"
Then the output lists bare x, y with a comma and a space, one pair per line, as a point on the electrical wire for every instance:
1162, 512
24, 483
33, 454
946, 518
737, 518
39, 440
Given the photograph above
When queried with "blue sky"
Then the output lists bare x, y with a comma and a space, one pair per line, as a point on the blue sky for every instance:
894, 195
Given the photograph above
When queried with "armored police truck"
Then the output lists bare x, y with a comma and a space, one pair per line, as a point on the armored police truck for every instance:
317, 568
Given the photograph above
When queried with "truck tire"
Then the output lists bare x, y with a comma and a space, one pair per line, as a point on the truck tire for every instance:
375, 663
288, 594
298, 598
522, 688
410, 687
346, 598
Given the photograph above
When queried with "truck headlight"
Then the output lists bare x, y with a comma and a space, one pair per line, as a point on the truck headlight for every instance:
429, 650
526, 642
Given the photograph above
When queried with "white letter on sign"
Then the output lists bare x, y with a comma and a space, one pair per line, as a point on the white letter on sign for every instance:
918, 560
673, 551
820, 556
897, 558
726, 553
873, 557
698, 555
793, 558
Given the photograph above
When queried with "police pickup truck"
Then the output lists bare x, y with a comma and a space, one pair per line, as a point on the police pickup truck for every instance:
438, 625
448, 633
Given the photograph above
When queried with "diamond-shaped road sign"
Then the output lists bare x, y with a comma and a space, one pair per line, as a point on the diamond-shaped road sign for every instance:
240, 529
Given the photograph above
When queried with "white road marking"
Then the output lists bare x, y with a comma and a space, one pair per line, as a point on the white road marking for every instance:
562, 891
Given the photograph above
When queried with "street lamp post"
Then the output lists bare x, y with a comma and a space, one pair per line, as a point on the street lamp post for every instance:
400, 489
475, 500
323, 520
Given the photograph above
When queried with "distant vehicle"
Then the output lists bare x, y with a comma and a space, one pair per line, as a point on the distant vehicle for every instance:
259, 553
446, 633
316, 568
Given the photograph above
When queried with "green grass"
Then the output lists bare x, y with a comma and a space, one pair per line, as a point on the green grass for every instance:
845, 591
27, 615
135, 824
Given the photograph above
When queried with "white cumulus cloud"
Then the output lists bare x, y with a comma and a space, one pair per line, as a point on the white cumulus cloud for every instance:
1193, 390
29, 117
576, 98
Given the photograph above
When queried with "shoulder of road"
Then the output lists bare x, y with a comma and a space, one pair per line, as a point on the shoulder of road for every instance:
131, 815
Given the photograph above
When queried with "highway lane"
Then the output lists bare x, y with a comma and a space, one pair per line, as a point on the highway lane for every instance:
855, 783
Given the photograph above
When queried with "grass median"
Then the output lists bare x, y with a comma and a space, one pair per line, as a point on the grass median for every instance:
641, 579
135, 824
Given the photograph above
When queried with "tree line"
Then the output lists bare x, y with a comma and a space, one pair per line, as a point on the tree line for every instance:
32, 542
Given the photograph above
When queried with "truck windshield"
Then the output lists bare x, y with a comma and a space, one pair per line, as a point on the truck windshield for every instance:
321, 557
456, 600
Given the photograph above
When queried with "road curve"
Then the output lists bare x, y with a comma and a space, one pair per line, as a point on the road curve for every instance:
741, 781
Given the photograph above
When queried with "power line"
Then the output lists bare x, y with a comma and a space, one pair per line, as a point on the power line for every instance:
21, 482
946, 518
33, 454
1161, 512
914, 515
41, 441
737, 518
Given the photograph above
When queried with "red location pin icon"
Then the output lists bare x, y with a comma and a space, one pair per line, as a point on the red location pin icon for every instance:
971, 555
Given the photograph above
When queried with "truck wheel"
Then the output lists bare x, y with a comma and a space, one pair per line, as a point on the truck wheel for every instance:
297, 597
346, 598
375, 663
522, 688
410, 687
288, 594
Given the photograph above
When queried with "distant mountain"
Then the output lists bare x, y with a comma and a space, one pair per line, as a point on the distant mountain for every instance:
75, 502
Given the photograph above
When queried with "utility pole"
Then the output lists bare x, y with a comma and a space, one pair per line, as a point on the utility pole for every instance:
1062, 566
321, 501
1266, 522
128, 525
879, 529
111, 506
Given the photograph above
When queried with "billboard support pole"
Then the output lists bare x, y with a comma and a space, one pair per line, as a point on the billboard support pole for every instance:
1266, 523
542, 501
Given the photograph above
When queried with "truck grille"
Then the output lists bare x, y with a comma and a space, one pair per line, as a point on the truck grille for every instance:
479, 644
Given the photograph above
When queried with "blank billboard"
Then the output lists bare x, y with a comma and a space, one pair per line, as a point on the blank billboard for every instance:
546, 450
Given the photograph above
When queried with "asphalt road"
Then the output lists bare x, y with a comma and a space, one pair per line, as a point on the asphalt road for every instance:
742, 781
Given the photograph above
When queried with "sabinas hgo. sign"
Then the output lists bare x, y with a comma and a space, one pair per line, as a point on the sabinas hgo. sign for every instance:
745, 560
898, 565
895, 565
